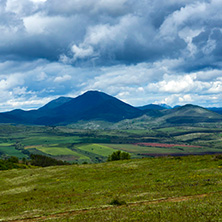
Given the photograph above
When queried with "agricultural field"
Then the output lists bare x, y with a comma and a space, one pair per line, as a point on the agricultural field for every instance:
9, 149
94, 146
184, 188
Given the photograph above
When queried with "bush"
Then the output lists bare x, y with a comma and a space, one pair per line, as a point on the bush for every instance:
117, 202
119, 155
44, 161
217, 157
10, 163
13, 159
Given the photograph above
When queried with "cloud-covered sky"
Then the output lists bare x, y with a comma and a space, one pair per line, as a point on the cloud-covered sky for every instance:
139, 51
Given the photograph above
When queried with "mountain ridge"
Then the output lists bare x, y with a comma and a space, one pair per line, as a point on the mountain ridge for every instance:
99, 106
92, 105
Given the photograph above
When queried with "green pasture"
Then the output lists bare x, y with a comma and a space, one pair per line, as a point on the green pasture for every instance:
11, 151
191, 210
195, 136
28, 141
136, 149
150, 189
6, 144
143, 149
60, 151
98, 149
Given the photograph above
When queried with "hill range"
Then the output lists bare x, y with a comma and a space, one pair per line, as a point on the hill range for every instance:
98, 106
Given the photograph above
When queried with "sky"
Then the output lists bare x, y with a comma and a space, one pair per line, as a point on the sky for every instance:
141, 52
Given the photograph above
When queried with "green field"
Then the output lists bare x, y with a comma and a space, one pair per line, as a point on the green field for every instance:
49, 139
56, 151
150, 189
94, 146
7, 149
11, 151
6, 144
98, 149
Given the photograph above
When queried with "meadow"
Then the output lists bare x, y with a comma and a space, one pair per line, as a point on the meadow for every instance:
185, 188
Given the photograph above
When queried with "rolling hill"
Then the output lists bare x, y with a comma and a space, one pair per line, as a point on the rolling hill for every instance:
189, 114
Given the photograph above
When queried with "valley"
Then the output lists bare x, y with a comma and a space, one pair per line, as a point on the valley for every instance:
94, 146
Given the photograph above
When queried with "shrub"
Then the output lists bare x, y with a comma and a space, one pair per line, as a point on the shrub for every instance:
117, 202
13, 159
119, 155
217, 157
44, 161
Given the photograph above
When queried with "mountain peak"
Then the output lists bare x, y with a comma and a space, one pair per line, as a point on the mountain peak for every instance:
96, 94
93, 92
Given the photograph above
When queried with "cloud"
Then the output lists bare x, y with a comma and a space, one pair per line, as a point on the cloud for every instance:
112, 32
81, 52
62, 78
140, 51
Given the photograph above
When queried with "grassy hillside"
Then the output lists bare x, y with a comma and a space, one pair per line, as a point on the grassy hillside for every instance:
151, 189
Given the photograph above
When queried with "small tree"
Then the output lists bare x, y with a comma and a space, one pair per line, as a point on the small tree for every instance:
118, 155
124, 156
13, 159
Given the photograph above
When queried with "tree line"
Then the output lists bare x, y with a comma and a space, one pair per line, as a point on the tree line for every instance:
35, 160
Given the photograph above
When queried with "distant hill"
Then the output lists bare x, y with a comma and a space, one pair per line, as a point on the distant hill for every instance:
191, 114
165, 106
215, 109
151, 107
92, 105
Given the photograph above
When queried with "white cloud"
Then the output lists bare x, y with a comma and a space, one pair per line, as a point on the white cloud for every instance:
179, 19
62, 78
81, 52
7, 82
105, 39
185, 98
180, 84
216, 87
41, 24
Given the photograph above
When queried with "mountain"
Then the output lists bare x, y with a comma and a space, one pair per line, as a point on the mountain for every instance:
165, 106
215, 109
151, 106
97, 106
190, 114
92, 105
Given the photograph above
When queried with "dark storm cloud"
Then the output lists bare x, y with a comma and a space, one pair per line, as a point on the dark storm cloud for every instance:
47, 30
107, 32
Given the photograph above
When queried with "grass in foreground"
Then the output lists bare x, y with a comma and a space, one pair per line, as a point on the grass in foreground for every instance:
154, 189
